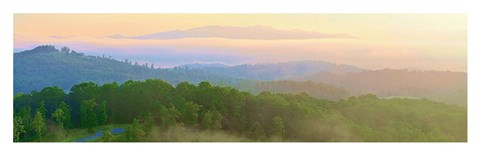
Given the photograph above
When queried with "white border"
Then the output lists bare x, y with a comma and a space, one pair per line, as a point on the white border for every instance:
9, 7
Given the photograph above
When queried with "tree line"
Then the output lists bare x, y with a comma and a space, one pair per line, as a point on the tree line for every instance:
155, 104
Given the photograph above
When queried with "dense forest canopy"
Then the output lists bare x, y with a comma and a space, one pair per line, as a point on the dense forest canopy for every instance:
155, 110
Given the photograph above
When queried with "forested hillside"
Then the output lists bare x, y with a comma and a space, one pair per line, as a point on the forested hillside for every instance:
442, 86
47, 66
158, 111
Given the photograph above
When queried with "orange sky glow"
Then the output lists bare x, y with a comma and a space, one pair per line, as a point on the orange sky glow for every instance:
419, 41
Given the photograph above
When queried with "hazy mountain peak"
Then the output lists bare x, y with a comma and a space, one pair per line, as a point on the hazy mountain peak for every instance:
256, 32
48, 49
43, 49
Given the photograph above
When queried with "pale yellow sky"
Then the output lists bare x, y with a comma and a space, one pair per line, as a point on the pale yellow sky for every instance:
426, 41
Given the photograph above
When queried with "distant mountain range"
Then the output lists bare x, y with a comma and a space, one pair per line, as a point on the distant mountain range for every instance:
47, 66
278, 71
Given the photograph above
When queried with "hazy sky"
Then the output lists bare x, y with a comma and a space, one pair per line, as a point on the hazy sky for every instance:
374, 41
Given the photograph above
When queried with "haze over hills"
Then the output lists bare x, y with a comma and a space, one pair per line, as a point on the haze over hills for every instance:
47, 66
315, 89
445, 86
276, 71
202, 66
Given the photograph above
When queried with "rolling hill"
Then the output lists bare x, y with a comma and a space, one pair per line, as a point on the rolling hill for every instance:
47, 66
444, 86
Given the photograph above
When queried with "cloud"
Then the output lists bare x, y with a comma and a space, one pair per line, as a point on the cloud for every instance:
61, 37
236, 32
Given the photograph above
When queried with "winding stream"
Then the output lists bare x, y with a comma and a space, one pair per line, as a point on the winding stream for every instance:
100, 133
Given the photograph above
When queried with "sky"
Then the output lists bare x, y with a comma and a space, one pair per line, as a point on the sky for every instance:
372, 41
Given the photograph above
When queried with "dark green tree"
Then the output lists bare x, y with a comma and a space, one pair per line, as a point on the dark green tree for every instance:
186, 90
88, 116
26, 115
102, 114
204, 85
52, 97
41, 108
83, 91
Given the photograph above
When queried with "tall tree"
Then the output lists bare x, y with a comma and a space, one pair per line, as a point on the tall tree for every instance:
102, 113
52, 97
88, 117
186, 90
67, 113
278, 127
39, 124
18, 128
134, 131
168, 116
83, 91
41, 108
148, 124
65, 49
212, 120
26, 115
59, 117
107, 134
190, 113
258, 132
